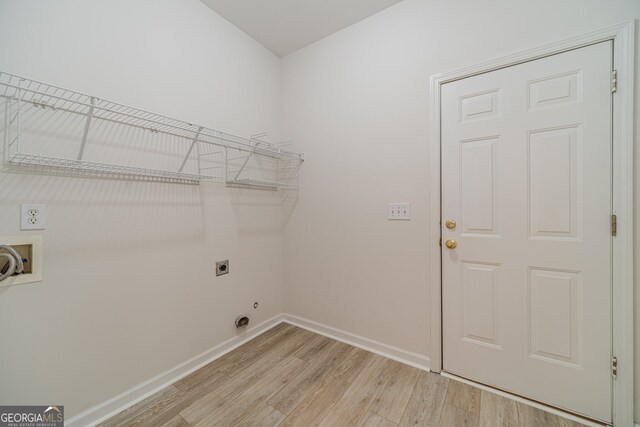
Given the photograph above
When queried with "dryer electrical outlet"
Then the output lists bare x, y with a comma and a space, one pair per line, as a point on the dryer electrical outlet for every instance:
222, 267
399, 211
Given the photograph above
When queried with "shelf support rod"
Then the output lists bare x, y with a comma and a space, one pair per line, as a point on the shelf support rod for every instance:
17, 118
87, 124
7, 127
235, 178
193, 143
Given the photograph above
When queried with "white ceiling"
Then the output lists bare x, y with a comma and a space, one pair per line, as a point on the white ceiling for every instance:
284, 26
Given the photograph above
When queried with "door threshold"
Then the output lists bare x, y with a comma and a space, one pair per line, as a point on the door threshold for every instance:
562, 413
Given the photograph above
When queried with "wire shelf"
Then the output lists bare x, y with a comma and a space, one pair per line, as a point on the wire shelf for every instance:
256, 183
105, 168
53, 127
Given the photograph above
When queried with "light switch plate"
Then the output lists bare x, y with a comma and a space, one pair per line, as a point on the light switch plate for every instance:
400, 211
32, 216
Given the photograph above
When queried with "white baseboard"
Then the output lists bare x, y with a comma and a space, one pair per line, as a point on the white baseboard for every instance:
551, 409
403, 356
119, 403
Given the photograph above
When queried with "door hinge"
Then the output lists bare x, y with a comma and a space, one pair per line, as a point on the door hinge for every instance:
614, 225
440, 242
614, 367
614, 81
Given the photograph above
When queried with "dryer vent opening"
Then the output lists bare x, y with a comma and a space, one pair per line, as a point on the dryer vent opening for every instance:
242, 321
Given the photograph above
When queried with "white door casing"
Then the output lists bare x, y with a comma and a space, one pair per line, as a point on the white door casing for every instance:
526, 174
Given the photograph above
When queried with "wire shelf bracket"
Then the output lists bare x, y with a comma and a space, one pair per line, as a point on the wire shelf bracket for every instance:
85, 133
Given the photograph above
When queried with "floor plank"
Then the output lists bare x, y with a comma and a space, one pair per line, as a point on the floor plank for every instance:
170, 406
215, 399
189, 395
452, 416
316, 346
313, 409
240, 356
528, 416
233, 411
463, 396
496, 410
427, 400
290, 339
353, 405
393, 396
143, 410
176, 421
264, 416
374, 420
290, 396
350, 367
564, 422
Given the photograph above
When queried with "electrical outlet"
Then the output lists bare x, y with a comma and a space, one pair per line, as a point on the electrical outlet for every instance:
222, 267
400, 211
32, 216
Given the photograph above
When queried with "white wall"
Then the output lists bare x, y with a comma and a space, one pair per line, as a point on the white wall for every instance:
129, 288
357, 103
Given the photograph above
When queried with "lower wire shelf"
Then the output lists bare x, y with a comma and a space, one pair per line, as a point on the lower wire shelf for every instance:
97, 168
260, 184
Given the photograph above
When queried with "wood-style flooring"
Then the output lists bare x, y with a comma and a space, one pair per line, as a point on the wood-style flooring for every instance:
289, 376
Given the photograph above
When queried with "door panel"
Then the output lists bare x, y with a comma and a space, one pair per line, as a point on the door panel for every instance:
478, 169
554, 182
479, 304
554, 315
526, 175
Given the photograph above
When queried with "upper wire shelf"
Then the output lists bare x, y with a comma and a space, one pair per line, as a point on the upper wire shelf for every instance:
51, 126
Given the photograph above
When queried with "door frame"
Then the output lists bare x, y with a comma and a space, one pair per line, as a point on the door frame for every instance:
623, 37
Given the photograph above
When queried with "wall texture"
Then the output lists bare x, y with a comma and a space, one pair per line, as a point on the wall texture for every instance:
358, 104
129, 288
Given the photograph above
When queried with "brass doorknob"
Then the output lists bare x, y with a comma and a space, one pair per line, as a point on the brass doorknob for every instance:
450, 224
451, 244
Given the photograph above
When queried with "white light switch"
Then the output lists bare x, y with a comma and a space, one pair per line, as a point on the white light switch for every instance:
400, 211
32, 216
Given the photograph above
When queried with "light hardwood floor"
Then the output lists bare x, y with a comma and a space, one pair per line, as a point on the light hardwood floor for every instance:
292, 377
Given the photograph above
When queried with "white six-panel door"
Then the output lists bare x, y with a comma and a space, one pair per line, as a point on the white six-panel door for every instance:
526, 176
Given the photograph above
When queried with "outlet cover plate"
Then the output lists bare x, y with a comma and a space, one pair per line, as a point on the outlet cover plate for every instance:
400, 211
32, 216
